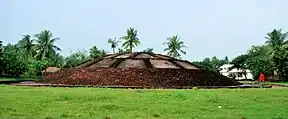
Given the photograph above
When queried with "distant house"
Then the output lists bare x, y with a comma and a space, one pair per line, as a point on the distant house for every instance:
224, 70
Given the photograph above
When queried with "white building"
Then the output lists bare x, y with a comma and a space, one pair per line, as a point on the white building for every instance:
224, 70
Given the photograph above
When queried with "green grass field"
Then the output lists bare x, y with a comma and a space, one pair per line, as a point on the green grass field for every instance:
278, 83
91, 103
9, 79
16, 79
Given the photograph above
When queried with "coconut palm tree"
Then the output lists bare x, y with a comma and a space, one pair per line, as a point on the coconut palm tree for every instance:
114, 43
174, 46
44, 46
26, 46
130, 40
276, 38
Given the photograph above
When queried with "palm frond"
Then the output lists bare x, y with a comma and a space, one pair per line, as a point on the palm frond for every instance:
284, 37
165, 43
56, 48
182, 51
54, 39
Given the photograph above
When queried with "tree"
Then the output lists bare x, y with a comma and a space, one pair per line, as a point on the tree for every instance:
174, 46
277, 40
45, 47
114, 43
26, 46
13, 64
57, 60
130, 40
226, 60
1, 49
94, 52
35, 67
240, 64
211, 64
1, 57
103, 53
259, 60
216, 62
149, 50
120, 50
280, 61
204, 65
76, 58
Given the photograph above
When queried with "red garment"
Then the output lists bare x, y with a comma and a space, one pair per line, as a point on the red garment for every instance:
262, 77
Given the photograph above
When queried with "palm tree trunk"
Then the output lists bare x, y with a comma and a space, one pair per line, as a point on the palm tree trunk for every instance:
113, 50
131, 45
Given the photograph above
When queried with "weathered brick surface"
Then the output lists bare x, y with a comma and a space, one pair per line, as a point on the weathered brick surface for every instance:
158, 78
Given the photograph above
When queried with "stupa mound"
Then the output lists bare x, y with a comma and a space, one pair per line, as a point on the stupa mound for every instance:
139, 69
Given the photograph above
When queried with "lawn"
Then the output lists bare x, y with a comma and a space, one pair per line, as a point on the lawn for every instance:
8, 79
278, 83
2, 79
91, 103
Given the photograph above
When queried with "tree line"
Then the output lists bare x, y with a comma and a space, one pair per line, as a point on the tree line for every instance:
34, 53
271, 58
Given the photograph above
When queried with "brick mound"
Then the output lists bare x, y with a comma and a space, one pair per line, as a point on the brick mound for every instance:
140, 77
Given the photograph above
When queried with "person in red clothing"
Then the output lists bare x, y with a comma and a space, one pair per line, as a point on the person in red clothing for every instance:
261, 79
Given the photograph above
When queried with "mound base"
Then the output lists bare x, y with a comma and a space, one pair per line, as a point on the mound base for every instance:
138, 77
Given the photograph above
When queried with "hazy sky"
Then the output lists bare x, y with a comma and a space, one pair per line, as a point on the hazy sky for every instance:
208, 27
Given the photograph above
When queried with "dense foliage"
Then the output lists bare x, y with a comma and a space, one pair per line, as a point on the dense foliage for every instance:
271, 58
259, 60
149, 50
76, 58
94, 52
13, 64
31, 55
1, 57
212, 64
277, 40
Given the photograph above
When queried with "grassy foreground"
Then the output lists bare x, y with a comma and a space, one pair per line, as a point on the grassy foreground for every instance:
91, 103
278, 83
17, 79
